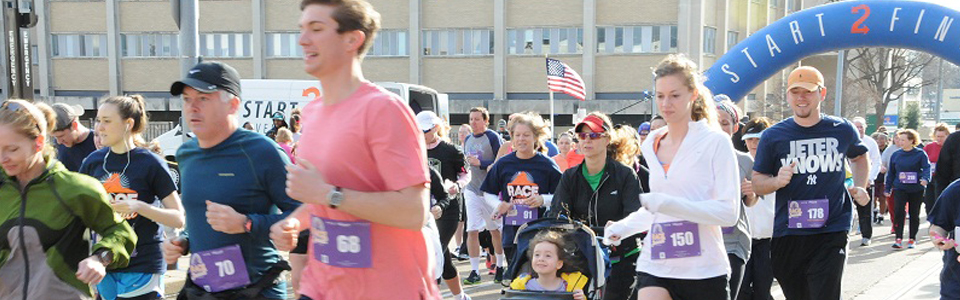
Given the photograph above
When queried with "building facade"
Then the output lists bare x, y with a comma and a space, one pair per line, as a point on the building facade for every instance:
482, 53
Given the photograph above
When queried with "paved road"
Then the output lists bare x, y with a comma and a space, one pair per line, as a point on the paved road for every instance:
876, 272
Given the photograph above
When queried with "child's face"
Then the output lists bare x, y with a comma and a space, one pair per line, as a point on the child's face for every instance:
546, 260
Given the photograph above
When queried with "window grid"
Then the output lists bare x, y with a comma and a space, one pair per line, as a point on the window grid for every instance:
539, 41
636, 39
457, 42
79, 45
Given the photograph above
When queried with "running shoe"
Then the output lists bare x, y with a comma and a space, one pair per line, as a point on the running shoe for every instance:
898, 244
492, 269
464, 296
474, 278
498, 276
865, 242
911, 244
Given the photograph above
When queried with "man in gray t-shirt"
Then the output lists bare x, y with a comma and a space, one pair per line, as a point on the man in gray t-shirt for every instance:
481, 150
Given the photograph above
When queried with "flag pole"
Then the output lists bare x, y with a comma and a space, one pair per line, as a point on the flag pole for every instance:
552, 119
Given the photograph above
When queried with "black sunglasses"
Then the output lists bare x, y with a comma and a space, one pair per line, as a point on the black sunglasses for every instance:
15, 107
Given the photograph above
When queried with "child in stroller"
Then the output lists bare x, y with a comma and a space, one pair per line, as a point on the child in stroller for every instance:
584, 262
547, 254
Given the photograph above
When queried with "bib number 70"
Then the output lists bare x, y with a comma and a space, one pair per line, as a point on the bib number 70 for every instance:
225, 268
681, 238
348, 244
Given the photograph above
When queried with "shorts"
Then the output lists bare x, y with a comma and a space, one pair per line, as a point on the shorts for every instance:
479, 213
131, 285
303, 239
810, 266
716, 288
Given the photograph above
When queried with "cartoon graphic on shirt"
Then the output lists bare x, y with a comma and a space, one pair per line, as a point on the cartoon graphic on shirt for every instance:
197, 268
795, 210
117, 185
522, 187
657, 236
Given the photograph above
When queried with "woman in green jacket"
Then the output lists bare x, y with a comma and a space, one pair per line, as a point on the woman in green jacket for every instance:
44, 210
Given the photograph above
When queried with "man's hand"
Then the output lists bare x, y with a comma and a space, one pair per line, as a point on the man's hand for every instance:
534, 202
436, 211
306, 184
285, 233
91, 270
473, 160
174, 248
785, 174
923, 182
860, 195
452, 187
224, 219
502, 210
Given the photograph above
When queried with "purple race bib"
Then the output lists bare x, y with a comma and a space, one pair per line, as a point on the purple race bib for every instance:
808, 213
219, 269
674, 240
727, 230
520, 214
342, 244
908, 177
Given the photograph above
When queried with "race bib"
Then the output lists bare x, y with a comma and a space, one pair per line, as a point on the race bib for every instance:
674, 240
219, 269
342, 244
808, 213
908, 177
520, 214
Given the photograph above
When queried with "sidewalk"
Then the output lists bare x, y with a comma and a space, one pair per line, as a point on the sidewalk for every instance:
918, 280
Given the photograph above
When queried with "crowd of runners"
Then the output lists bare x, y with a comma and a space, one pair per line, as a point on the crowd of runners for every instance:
699, 203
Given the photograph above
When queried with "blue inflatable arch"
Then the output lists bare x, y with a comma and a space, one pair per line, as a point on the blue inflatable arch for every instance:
920, 26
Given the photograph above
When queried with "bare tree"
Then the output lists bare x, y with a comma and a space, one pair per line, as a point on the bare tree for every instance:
887, 74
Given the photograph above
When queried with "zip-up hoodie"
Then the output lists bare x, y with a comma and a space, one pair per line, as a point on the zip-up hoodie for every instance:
42, 228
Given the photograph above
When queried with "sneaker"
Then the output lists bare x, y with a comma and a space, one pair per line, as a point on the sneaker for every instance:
498, 276
865, 242
464, 296
492, 269
911, 244
474, 278
898, 244
463, 257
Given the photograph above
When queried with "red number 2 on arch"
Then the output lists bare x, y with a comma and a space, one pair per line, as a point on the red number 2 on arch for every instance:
858, 25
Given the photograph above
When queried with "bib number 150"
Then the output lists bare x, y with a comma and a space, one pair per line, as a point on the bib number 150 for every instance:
681, 238
348, 244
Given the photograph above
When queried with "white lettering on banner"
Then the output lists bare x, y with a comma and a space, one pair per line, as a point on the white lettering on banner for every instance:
522, 191
942, 30
795, 31
265, 109
13, 58
771, 45
917, 28
820, 17
749, 57
815, 156
894, 18
726, 69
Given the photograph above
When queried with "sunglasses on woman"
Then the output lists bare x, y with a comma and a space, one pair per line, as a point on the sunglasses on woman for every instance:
591, 135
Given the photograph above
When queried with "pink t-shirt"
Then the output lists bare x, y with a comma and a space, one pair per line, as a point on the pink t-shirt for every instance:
369, 142
289, 150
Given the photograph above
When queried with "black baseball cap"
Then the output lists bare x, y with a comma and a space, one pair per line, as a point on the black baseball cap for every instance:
208, 77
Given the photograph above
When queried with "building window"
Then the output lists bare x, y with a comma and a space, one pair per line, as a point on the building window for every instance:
733, 38
709, 40
636, 39
283, 44
225, 44
389, 43
538, 41
457, 42
150, 45
79, 45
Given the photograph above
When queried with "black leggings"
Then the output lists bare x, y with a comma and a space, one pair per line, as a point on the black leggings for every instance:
446, 228
758, 275
901, 199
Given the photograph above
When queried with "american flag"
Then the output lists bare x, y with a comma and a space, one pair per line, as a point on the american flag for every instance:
562, 78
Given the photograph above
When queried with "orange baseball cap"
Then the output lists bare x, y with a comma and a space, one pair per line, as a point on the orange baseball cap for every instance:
806, 77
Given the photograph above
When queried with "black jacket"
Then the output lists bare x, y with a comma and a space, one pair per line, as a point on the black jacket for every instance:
617, 196
948, 165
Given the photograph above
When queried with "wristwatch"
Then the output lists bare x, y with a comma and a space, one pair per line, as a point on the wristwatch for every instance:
104, 256
335, 197
248, 225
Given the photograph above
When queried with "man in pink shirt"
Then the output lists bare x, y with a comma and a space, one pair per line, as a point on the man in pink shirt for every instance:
361, 170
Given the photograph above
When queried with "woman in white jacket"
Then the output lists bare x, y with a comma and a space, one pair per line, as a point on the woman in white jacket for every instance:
695, 189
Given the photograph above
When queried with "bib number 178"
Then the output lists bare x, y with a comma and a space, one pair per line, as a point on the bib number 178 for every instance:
815, 213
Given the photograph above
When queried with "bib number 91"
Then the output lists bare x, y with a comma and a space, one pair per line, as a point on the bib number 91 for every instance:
348, 244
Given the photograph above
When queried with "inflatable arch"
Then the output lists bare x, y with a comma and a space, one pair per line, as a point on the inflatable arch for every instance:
920, 26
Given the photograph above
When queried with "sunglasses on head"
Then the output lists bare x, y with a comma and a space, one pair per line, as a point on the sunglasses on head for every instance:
591, 135
15, 107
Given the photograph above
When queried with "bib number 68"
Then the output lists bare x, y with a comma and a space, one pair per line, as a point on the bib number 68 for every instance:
348, 244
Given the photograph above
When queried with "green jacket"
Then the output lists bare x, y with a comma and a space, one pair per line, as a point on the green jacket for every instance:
51, 216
